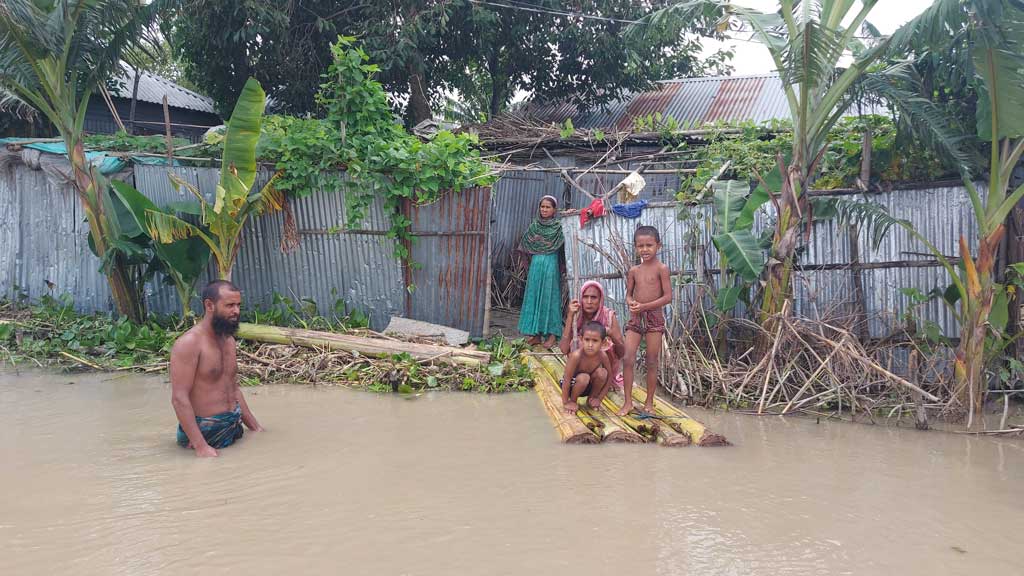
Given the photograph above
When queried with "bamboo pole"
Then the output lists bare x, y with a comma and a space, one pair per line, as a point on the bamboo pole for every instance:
375, 347
613, 428
681, 421
569, 428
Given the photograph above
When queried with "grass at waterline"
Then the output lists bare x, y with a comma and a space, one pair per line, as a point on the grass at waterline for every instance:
52, 334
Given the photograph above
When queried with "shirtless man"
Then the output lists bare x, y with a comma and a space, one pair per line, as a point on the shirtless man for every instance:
204, 376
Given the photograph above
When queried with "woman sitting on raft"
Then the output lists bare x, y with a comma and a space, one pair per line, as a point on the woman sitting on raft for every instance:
589, 307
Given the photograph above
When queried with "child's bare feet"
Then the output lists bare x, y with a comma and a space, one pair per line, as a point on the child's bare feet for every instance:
593, 402
627, 407
533, 340
550, 342
571, 408
649, 407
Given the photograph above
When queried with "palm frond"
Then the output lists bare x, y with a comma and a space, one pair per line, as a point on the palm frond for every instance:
936, 25
812, 55
875, 221
923, 118
13, 104
872, 219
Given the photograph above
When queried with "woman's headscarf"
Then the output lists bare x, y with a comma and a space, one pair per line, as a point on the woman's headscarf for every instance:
603, 315
544, 235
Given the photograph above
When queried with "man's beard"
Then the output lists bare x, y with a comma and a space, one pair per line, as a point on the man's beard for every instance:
223, 326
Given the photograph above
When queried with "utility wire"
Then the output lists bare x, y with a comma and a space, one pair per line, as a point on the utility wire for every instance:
516, 5
540, 10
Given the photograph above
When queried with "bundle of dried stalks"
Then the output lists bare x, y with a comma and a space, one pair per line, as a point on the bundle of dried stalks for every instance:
811, 367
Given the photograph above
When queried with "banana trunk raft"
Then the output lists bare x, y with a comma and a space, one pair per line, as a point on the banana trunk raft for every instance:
668, 426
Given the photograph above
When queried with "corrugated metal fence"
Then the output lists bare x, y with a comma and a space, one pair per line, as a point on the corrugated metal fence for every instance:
45, 251
824, 286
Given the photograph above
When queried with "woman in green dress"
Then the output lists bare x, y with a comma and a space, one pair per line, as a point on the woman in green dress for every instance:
541, 315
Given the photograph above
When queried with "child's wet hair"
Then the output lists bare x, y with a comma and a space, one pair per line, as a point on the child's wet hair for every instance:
594, 326
650, 231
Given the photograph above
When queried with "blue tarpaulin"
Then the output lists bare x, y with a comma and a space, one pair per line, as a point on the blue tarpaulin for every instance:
106, 163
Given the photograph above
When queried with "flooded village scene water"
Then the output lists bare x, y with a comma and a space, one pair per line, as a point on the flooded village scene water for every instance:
723, 287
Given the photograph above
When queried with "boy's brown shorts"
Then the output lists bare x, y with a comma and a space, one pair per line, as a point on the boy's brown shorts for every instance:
646, 321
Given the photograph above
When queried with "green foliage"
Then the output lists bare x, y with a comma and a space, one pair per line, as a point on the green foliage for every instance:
360, 134
183, 261
44, 331
234, 202
53, 327
755, 148
567, 129
303, 313
483, 52
53, 57
123, 142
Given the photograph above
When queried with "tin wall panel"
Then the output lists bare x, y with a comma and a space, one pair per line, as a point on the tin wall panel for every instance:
449, 249
331, 264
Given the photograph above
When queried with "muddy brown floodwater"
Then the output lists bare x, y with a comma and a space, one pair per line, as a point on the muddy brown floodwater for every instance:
350, 483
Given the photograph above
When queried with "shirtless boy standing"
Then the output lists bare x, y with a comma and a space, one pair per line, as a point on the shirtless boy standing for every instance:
648, 290
586, 370
204, 376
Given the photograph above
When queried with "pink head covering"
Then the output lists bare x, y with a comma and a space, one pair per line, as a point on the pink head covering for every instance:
603, 315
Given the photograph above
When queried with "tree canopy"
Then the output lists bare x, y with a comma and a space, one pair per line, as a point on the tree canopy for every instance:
486, 52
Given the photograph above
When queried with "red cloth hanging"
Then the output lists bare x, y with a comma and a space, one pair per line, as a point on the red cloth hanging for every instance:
595, 210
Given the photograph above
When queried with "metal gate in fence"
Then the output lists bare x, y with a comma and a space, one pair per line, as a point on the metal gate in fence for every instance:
448, 279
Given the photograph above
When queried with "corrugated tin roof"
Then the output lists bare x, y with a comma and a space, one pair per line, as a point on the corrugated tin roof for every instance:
152, 89
692, 102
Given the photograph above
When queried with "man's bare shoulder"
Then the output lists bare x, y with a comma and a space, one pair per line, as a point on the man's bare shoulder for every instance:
189, 342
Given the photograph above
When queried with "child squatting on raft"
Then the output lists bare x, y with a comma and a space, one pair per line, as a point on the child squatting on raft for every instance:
648, 290
587, 370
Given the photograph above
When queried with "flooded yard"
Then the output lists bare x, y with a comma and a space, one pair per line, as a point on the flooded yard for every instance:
442, 484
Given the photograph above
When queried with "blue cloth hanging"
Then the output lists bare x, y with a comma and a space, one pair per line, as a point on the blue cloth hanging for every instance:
631, 210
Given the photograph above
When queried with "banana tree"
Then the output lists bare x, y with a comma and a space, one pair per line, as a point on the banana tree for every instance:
817, 52
996, 46
53, 55
183, 261
739, 251
233, 202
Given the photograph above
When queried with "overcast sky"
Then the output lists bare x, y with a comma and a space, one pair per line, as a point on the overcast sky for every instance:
753, 58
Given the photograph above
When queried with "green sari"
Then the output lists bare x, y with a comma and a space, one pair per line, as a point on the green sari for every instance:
541, 313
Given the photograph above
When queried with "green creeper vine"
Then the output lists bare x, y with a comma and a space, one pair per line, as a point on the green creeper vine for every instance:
359, 134
754, 148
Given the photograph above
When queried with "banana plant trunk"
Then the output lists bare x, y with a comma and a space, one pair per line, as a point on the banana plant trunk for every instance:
778, 286
126, 300
969, 367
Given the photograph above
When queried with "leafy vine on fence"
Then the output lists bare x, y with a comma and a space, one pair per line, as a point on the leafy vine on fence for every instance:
751, 147
381, 159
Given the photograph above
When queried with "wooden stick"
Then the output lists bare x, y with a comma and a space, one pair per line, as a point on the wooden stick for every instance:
110, 104
565, 176
81, 361
167, 128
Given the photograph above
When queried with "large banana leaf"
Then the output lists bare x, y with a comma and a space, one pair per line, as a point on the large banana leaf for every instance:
728, 199
1003, 72
243, 133
186, 258
743, 253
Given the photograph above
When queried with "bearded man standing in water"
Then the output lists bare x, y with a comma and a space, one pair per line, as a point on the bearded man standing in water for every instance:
204, 376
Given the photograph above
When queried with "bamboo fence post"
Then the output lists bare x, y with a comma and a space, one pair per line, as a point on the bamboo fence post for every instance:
167, 132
